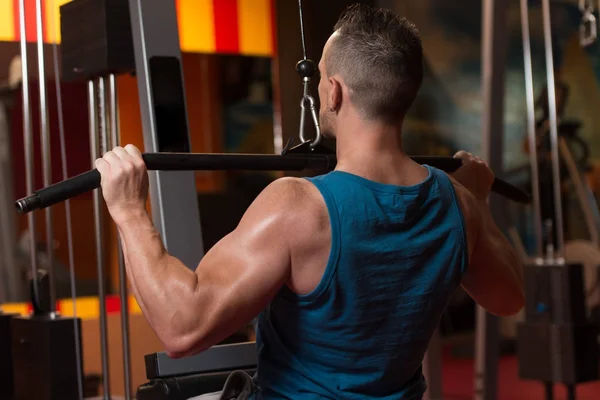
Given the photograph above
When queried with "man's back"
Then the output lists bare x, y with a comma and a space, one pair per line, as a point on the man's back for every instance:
363, 327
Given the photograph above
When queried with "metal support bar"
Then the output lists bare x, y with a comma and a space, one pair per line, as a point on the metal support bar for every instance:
10, 283
493, 64
46, 150
432, 368
531, 132
29, 153
159, 74
553, 119
115, 140
98, 221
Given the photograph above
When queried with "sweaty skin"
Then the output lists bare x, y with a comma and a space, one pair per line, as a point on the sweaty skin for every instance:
284, 237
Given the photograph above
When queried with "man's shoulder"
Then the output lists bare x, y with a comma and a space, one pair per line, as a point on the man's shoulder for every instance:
296, 201
292, 191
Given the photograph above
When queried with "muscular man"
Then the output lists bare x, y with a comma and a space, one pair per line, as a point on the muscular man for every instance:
349, 272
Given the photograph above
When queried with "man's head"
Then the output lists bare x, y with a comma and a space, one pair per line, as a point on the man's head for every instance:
371, 65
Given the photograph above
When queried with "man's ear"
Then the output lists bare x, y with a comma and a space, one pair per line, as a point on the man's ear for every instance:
335, 94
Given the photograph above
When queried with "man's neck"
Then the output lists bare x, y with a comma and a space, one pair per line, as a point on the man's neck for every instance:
360, 141
374, 151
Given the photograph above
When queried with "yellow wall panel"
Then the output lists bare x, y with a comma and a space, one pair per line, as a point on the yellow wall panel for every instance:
7, 26
52, 20
196, 25
254, 19
87, 308
17, 308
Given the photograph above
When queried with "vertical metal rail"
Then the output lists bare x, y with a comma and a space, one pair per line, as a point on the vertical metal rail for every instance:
46, 150
94, 147
553, 119
173, 196
28, 144
493, 64
115, 140
65, 175
533, 157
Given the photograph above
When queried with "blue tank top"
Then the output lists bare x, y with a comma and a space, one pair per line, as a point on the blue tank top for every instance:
397, 255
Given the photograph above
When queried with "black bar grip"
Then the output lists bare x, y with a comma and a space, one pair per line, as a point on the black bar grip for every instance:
510, 191
90, 180
60, 191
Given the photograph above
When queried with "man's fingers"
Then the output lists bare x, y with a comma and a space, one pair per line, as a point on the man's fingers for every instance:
134, 151
465, 156
111, 158
136, 156
122, 153
461, 154
102, 166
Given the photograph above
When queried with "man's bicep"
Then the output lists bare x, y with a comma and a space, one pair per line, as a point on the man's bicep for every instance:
246, 268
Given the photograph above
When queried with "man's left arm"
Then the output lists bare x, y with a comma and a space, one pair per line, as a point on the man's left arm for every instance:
191, 311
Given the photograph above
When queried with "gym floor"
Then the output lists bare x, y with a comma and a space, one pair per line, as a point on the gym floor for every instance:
458, 382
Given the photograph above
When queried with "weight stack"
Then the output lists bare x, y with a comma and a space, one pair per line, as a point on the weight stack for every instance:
556, 343
96, 39
44, 358
6, 375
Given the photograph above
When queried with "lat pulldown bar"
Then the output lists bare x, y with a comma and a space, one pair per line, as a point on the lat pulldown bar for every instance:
250, 162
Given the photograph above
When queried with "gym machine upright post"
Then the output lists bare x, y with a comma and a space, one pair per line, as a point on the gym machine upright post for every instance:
43, 344
493, 62
556, 342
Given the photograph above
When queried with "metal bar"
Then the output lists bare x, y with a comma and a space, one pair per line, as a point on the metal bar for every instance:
256, 162
432, 368
553, 119
113, 111
4, 262
533, 157
252, 162
65, 174
571, 392
159, 73
103, 138
116, 141
46, 150
580, 187
94, 151
487, 344
28, 143
9, 280
549, 390
493, 64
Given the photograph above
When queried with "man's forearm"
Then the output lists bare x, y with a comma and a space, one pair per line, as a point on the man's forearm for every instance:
502, 244
162, 285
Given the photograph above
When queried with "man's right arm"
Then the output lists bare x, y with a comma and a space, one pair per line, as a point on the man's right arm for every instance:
494, 278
